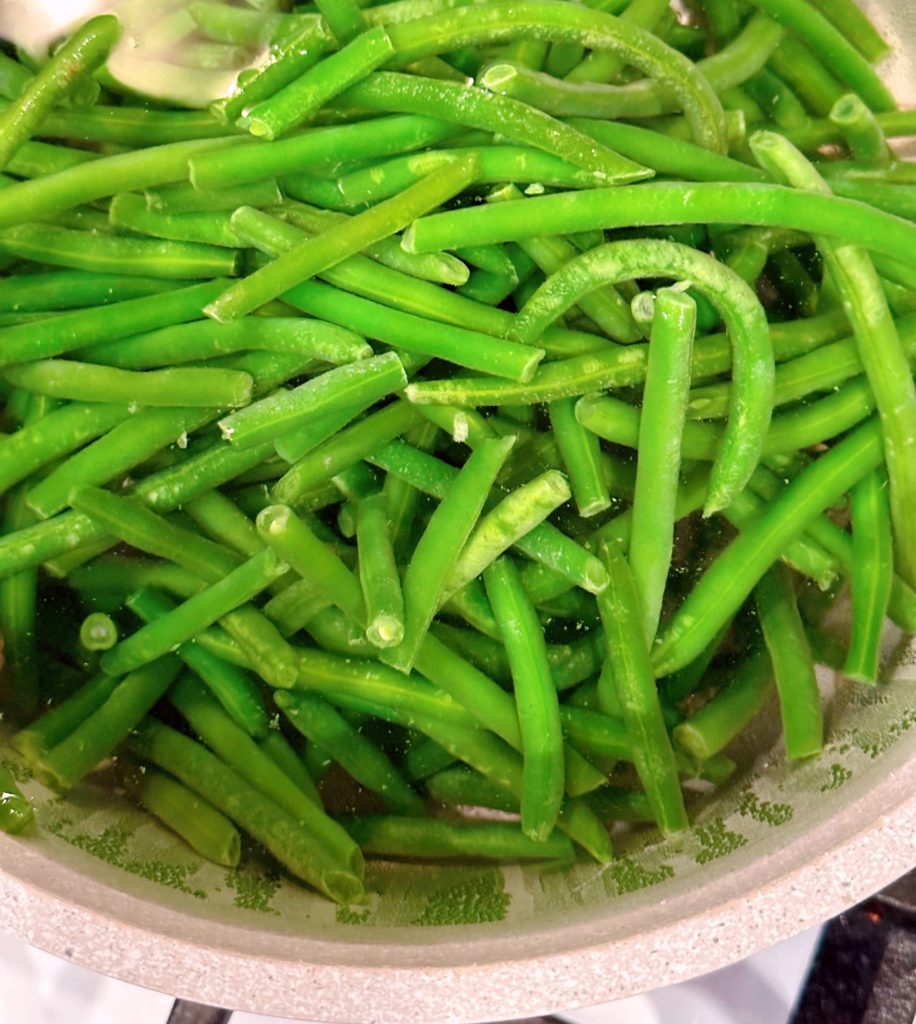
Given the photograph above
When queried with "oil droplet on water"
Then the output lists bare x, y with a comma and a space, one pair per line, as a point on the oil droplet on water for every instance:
150, 56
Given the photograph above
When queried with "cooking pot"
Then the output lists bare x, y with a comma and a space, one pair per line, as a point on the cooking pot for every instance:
779, 849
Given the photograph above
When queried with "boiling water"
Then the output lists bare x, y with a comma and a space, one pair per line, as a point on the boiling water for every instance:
159, 54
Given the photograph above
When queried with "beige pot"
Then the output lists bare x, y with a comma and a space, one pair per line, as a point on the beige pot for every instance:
782, 848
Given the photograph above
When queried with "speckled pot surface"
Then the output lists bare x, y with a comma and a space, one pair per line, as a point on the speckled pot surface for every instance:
781, 848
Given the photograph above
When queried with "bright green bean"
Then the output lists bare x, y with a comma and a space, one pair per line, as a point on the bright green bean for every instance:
872, 576
231, 686
658, 468
535, 697
98, 632
729, 580
793, 665
752, 361
198, 823
708, 731
378, 573
321, 724
86, 50
272, 826
438, 549
312, 559
53, 337
284, 411
194, 614
67, 378
502, 22
880, 349
297, 101
628, 656
384, 136
96, 736
113, 254
860, 129
129, 210
15, 810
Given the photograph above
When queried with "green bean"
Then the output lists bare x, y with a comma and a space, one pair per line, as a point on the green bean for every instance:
18, 607
855, 25
806, 75
16, 812
126, 445
499, 529
184, 198
243, 755
233, 689
477, 108
878, 340
732, 576
752, 361
344, 18
860, 129
438, 549
374, 139
470, 348
72, 289
345, 239
628, 659
829, 45
86, 182
495, 164
286, 757
312, 559
793, 666
145, 530
604, 65
223, 521
606, 308
86, 50
342, 450
225, 24
297, 101
272, 826
129, 210
440, 268
98, 632
14, 77
544, 543
53, 337
289, 57
501, 22
355, 683
359, 384
96, 736
733, 65
536, 700
87, 250
198, 823
708, 731
663, 203
872, 576
321, 724
205, 339
378, 574
194, 614
61, 378
658, 468
427, 839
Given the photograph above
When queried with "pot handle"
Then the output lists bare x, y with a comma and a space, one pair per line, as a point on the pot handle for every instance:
186, 1012
864, 969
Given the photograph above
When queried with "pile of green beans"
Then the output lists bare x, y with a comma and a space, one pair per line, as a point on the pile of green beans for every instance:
463, 412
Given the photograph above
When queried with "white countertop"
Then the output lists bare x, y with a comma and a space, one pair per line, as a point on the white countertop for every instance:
37, 988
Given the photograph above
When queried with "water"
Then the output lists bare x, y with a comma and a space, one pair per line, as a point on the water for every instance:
160, 53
